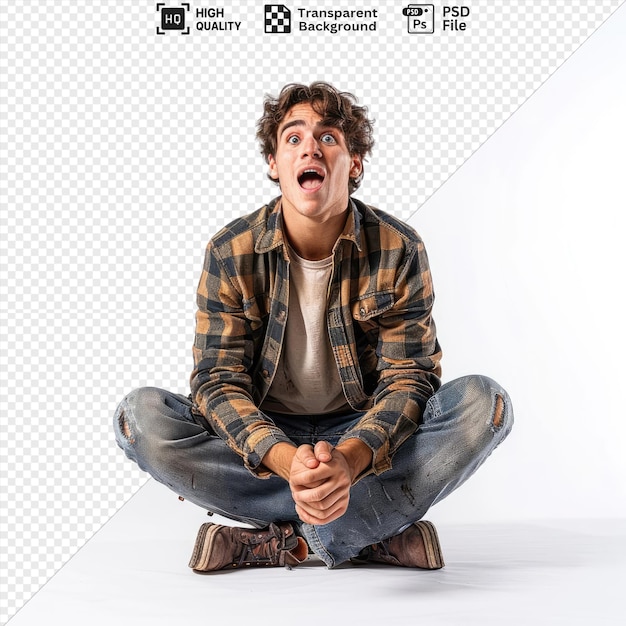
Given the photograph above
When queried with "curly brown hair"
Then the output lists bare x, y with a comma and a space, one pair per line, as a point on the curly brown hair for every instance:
337, 108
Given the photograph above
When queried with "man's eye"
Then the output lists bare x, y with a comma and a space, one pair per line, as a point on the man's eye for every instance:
293, 139
327, 138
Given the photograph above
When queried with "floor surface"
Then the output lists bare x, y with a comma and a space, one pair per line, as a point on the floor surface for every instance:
134, 571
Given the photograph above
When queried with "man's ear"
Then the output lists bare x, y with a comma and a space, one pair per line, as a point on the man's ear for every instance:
356, 167
273, 170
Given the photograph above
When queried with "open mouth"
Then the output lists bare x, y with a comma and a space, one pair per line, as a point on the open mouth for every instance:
311, 179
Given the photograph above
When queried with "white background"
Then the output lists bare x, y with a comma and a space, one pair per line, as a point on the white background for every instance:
526, 242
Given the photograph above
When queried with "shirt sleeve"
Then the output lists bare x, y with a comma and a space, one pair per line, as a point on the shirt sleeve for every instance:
223, 350
408, 362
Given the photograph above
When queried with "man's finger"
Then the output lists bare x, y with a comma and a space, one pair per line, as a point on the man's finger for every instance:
306, 456
323, 451
315, 516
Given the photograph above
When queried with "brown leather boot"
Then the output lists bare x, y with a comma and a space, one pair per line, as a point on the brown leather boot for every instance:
417, 546
220, 547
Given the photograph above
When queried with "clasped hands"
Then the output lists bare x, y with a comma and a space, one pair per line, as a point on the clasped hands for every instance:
320, 477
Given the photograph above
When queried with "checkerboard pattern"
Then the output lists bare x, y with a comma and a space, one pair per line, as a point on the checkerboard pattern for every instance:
123, 151
277, 18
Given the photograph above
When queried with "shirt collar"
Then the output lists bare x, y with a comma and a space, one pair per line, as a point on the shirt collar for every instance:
272, 236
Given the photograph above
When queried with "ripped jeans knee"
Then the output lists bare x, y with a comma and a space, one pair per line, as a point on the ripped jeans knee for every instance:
124, 428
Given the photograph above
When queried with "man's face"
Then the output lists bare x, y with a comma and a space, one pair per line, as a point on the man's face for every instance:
313, 164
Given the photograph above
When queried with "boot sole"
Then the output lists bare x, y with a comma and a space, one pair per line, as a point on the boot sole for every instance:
430, 538
202, 549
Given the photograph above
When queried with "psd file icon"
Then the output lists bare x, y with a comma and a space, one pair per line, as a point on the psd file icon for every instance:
420, 18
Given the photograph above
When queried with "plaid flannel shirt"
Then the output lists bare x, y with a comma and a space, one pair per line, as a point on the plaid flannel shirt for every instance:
381, 330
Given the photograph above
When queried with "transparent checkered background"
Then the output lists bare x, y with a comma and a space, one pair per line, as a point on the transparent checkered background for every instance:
123, 151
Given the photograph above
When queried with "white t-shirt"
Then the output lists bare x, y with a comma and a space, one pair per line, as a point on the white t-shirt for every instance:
307, 381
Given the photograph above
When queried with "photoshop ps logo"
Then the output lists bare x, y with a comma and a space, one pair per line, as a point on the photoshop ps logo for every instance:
173, 18
277, 18
420, 18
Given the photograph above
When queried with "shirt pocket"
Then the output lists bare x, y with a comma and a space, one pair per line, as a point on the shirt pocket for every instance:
256, 308
371, 305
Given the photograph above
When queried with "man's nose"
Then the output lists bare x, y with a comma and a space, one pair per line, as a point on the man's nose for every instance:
311, 147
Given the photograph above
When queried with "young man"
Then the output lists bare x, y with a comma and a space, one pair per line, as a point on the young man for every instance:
316, 415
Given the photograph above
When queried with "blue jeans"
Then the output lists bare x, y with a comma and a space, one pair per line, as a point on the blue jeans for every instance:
463, 423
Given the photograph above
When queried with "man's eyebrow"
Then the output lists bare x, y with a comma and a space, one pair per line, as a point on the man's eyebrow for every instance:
290, 124
328, 123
